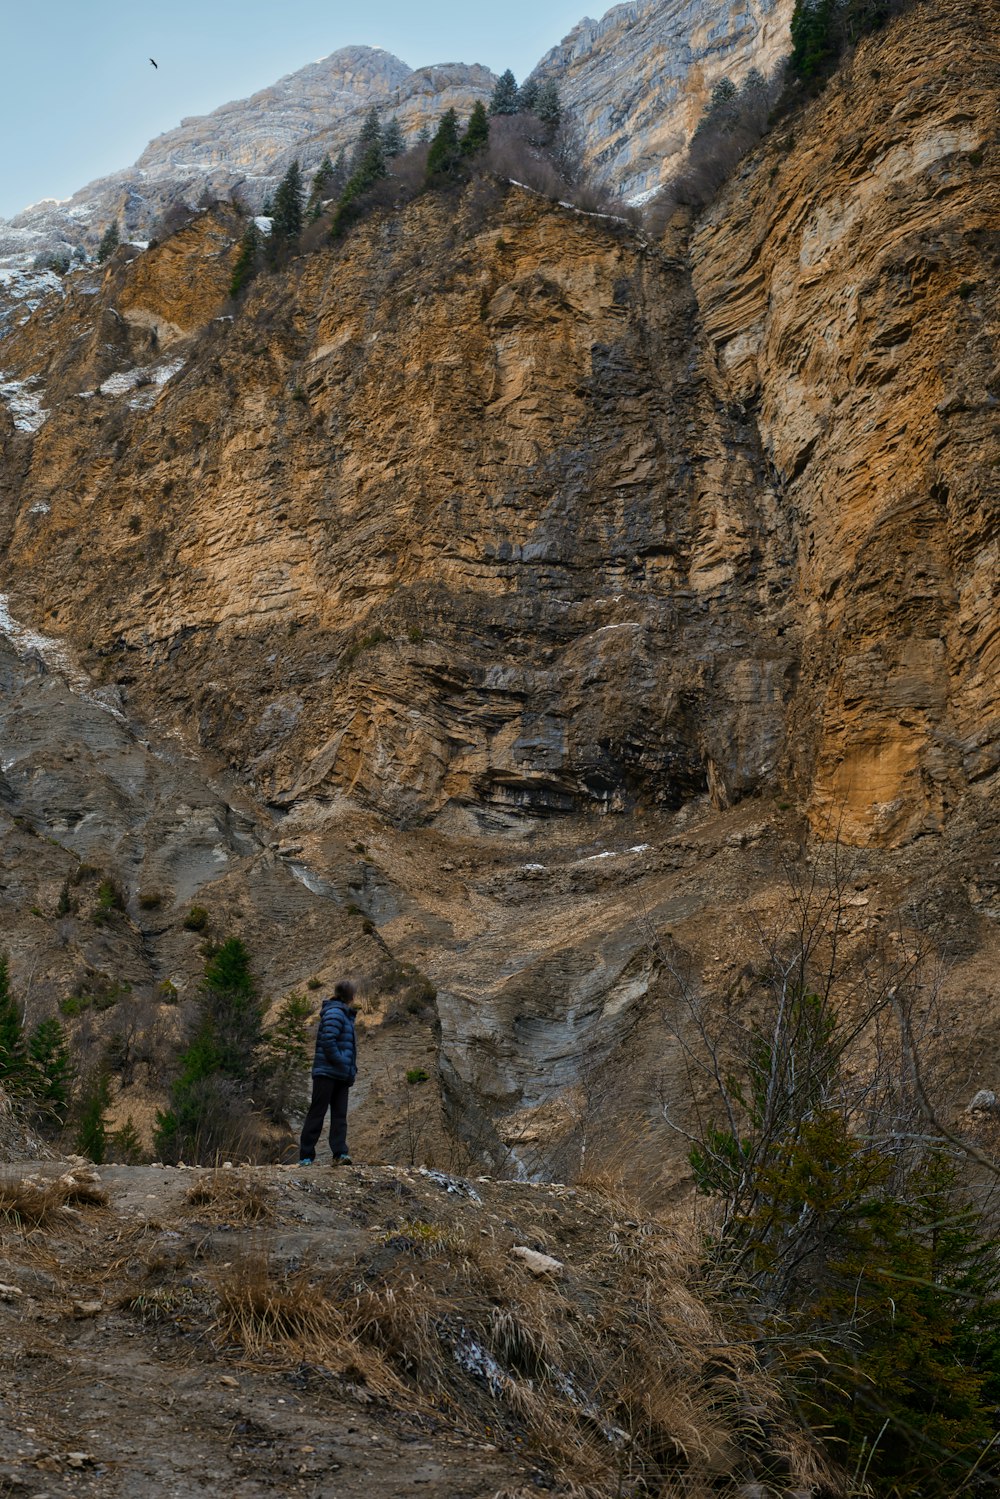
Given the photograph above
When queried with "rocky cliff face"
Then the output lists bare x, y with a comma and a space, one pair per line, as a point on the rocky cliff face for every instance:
848, 284
636, 82
534, 582
469, 557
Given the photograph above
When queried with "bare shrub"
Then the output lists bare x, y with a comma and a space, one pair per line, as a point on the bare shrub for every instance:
516, 151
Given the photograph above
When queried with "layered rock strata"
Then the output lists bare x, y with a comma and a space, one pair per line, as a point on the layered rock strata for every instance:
848, 284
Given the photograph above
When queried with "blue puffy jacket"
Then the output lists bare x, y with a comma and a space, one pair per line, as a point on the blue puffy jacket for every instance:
336, 1044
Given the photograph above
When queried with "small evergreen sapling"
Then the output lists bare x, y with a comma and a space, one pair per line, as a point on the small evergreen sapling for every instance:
247, 260
285, 1056
320, 188
208, 1112
287, 216
371, 135
527, 97
548, 107
393, 143
110, 240
92, 1130
51, 1071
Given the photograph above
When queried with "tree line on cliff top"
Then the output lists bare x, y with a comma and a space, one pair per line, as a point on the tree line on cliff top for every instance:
521, 135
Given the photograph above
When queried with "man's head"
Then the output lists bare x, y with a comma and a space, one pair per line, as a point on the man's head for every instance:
344, 991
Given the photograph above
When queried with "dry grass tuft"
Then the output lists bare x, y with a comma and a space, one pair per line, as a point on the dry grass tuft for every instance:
287, 1318
32, 1202
260, 1307
226, 1199
619, 1377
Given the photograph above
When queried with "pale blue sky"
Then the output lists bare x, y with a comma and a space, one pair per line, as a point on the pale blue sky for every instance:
78, 97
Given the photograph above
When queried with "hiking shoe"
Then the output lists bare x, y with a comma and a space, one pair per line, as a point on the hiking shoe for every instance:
307, 1160
342, 1160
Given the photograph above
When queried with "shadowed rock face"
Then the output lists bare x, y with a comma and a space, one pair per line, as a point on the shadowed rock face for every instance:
546, 570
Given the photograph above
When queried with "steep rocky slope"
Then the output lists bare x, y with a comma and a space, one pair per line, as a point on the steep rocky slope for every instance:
536, 583
848, 284
636, 82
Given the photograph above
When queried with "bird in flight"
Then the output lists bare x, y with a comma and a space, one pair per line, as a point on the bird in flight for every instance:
156, 65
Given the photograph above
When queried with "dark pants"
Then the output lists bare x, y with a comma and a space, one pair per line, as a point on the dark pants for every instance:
328, 1093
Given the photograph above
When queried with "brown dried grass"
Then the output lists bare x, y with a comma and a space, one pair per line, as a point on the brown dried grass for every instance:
620, 1377
226, 1199
30, 1202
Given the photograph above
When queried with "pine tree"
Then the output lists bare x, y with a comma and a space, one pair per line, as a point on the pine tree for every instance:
548, 107
287, 215
247, 261
371, 169
444, 154
13, 1052
110, 240
339, 179
424, 135
477, 132
284, 1055
504, 99
527, 97
230, 1003
814, 40
126, 1143
51, 1071
208, 1106
371, 134
92, 1131
393, 143
320, 188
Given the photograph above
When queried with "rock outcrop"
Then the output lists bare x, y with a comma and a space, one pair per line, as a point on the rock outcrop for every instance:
847, 281
636, 82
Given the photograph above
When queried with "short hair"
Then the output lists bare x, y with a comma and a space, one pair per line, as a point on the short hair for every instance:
344, 989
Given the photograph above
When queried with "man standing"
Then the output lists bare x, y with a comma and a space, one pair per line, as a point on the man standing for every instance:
334, 1070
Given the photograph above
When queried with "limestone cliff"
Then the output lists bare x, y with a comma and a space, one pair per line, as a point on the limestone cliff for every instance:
848, 284
464, 515
636, 82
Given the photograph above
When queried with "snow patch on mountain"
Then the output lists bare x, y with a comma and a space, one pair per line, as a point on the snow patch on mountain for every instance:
24, 403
